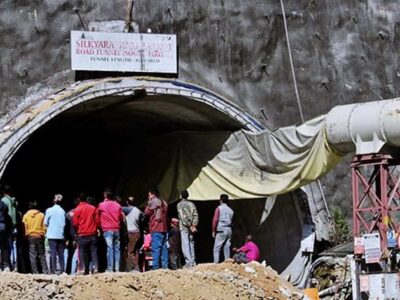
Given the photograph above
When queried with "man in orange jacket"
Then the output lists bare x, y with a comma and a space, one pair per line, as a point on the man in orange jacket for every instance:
35, 231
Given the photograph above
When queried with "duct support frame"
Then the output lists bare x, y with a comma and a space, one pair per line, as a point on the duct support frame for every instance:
381, 188
375, 192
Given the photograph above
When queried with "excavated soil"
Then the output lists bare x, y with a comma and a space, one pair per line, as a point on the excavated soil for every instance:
206, 281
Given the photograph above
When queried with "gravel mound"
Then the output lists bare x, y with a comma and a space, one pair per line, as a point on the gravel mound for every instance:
205, 281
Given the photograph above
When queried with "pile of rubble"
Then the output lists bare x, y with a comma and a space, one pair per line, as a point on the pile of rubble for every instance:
206, 281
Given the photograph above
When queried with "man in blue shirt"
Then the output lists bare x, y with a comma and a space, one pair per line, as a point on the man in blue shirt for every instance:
55, 223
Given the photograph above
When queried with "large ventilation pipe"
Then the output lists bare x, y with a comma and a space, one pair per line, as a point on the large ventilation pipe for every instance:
365, 127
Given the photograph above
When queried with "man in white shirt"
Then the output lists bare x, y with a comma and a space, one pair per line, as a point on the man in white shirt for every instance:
134, 217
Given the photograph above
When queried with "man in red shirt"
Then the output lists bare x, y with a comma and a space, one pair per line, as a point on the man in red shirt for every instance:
85, 222
110, 216
157, 211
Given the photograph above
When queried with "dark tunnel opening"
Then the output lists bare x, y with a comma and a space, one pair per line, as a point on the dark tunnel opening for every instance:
126, 143
131, 144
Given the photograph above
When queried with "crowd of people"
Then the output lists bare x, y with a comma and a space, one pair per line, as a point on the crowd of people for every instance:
129, 239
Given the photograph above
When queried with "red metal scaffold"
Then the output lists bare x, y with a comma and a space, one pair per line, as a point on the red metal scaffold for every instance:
376, 195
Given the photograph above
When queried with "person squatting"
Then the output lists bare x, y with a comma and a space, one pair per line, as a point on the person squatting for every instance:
113, 236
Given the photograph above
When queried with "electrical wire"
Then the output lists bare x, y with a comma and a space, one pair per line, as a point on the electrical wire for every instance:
298, 97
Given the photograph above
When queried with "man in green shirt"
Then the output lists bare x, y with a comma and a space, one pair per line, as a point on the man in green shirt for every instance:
11, 204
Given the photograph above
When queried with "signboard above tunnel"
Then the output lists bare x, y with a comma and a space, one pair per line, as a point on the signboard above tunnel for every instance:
123, 52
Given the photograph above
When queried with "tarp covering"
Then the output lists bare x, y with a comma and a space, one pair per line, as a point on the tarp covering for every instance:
258, 165
241, 164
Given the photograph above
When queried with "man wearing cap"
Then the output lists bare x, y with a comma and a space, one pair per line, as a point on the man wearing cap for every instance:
55, 222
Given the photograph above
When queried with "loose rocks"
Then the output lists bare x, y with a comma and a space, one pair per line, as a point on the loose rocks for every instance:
205, 281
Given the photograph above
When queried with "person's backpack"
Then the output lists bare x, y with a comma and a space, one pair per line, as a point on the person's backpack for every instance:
3, 216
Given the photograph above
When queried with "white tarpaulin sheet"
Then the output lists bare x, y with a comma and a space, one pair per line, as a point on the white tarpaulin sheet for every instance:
258, 165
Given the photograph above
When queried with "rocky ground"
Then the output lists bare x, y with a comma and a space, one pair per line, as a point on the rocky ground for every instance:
206, 281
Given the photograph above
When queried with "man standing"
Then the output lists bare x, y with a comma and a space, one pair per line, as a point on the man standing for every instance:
5, 227
133, 217
55, 222
188, 220
157, 211
71, 252
34, 232
222, 228
11, 204
85, 222
110, 216
174, 241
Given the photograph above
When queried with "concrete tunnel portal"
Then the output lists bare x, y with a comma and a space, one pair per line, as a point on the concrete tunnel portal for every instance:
103, 135
131, 134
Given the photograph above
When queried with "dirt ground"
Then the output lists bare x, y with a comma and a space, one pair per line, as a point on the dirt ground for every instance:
206, 281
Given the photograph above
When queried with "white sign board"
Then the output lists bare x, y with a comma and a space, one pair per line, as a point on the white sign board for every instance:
380, 286
392, 286
123, 52
372, 248
308, 238
376, 287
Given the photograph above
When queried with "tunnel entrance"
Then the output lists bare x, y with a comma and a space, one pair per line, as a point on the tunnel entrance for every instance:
129, 134
129, 144
123, 135
132, 134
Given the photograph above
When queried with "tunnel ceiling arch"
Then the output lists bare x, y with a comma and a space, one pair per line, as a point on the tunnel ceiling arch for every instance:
18, 127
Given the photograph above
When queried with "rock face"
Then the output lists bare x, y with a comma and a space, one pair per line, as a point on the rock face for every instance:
343, 52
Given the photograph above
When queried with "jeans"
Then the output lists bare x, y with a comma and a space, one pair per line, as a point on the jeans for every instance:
4, 247
37, 252
133, 251
113, 250
159, 250
74, 259
240, 258
87, 246
187, 243
56, 250
222, 239
12, 242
